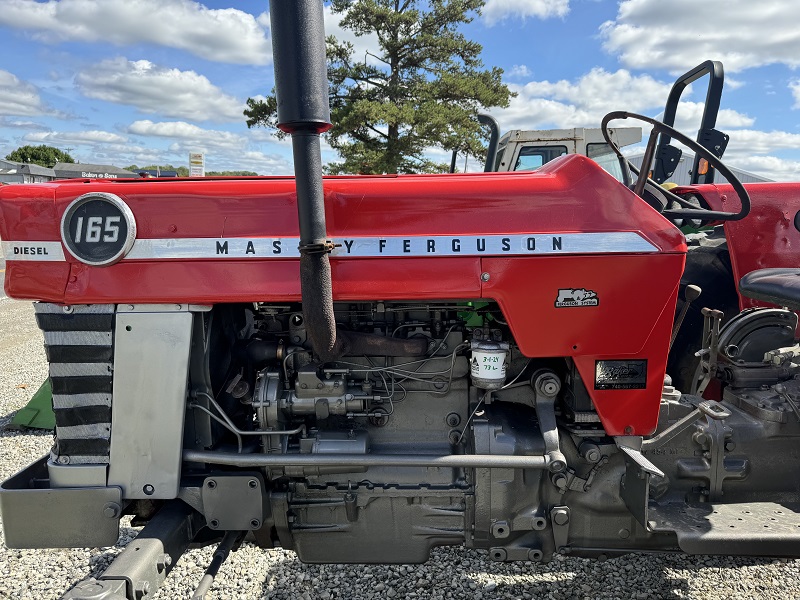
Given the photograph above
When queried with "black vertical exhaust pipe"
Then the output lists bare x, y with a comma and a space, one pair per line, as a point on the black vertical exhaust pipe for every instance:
301, 87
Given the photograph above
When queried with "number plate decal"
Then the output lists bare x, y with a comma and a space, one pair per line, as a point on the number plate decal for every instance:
98, 228
620, 374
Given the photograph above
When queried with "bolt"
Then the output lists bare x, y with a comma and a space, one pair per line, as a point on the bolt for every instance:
63, 460
560, 516
141, 589
213, 523
730, 446
111, 510
628, 430
253, 484
485, 277
148, 489
255, 523
67, 309
211, 484
163, 562
548, 385
453, 419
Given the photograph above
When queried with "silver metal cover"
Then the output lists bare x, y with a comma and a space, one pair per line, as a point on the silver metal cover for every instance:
98, 228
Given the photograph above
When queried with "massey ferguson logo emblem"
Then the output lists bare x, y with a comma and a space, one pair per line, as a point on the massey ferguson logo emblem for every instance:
576, 297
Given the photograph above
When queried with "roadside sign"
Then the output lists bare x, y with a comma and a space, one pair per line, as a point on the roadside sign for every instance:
197, 164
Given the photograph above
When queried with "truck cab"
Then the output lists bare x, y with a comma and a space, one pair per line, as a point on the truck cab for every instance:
521, 150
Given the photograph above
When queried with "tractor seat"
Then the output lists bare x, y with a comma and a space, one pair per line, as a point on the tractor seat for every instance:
778, 286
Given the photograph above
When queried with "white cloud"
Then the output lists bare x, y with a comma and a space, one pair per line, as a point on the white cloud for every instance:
518, 72
496, 11
225, 151
689, 114
581, 103
222, 35
187, 135
155, 89
585, 101
19, 98
678, 34
771, 167
794, 87
748, 142
25, 125
74, 137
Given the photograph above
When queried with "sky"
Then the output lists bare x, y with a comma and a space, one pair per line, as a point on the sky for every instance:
144, 82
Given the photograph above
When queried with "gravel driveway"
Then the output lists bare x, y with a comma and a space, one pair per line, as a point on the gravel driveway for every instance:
253, 573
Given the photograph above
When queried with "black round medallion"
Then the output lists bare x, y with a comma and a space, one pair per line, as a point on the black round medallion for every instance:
98, 228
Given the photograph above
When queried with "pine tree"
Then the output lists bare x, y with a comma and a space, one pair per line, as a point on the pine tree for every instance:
424, 91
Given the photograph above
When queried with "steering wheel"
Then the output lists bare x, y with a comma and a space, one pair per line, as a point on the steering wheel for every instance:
688, 210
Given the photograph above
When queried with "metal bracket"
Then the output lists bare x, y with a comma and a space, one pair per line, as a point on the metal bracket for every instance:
632, 446
559, 517
709, 408
145, 563
635, 490
709, 355
233, 502
546, 387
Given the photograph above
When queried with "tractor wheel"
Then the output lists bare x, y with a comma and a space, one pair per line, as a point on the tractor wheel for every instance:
708, 265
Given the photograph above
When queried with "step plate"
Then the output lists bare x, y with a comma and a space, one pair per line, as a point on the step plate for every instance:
748, 529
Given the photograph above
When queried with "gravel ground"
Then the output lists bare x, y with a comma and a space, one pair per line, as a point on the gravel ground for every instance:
253, 573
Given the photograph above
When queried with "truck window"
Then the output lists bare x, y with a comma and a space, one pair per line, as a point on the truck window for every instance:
602, 154
533, 157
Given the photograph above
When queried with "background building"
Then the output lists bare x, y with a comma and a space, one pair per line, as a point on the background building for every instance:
86, 171
683, 172
16, 172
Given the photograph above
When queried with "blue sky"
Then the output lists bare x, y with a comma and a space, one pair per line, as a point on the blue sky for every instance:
146, 81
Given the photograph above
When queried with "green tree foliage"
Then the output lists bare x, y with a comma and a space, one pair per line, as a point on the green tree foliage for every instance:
46, 156
231, 174
182, 171
424, 91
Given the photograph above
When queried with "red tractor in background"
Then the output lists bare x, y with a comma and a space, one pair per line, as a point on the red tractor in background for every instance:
363, 368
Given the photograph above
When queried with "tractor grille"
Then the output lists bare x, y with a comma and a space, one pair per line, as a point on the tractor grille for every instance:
79, 345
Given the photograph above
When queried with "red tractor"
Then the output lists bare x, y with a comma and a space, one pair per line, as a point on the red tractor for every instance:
363, 368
